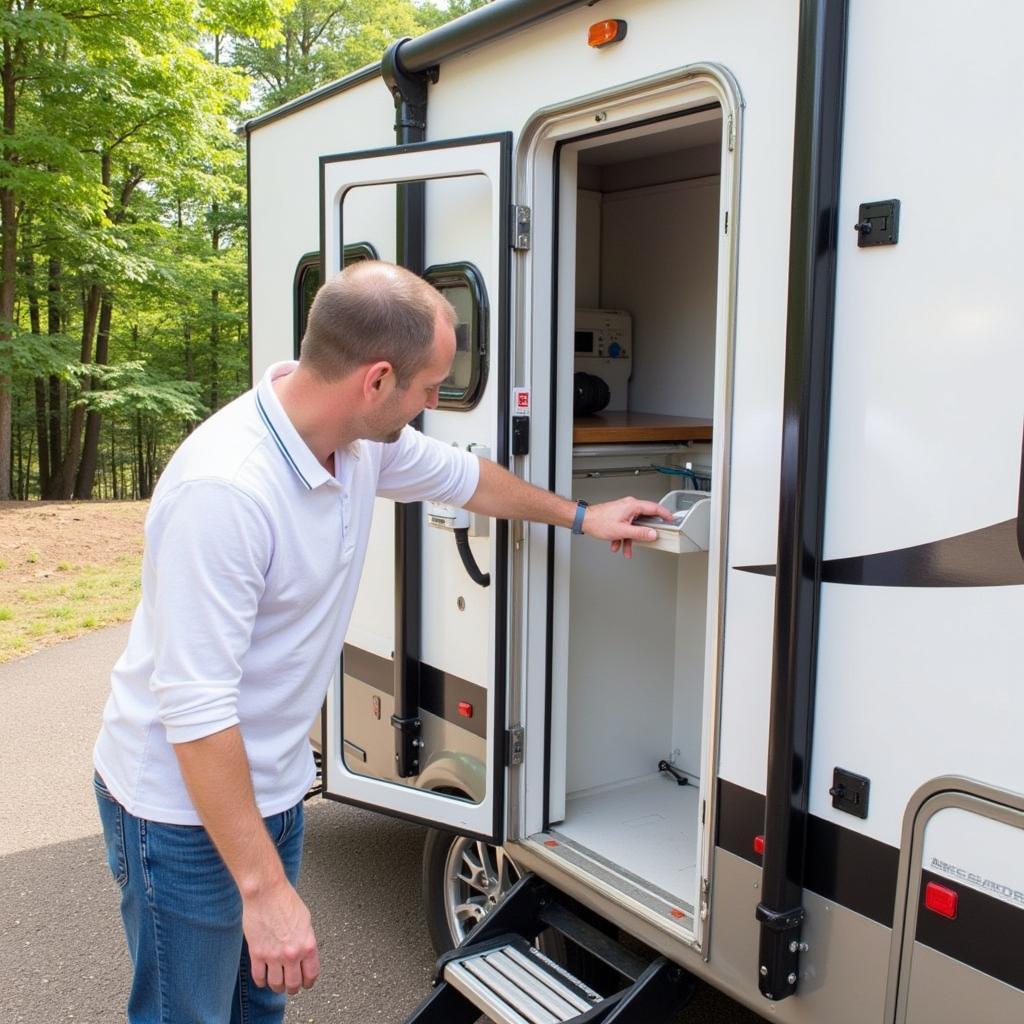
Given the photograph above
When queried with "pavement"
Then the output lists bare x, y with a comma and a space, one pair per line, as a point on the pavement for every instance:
62, 952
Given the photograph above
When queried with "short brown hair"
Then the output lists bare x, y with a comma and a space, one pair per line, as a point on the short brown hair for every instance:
372, 311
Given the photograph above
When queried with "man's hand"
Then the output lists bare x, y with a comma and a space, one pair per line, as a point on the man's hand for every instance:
613, 520
282, 946
275, 921
505, 496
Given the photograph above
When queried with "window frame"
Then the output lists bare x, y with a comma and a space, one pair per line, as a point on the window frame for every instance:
463, 273
354, 253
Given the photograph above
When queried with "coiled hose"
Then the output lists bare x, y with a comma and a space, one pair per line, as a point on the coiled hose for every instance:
468, 561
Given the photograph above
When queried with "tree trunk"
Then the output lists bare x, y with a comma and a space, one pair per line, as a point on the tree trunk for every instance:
69, 467
113, 460
140, 467
50, 484
215, 322
8, 264
35, 325
94, 419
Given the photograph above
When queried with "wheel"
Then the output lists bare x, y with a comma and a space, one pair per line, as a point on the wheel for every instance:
463, 881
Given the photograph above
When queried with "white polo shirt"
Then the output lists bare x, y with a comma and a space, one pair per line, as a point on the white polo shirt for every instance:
252, 561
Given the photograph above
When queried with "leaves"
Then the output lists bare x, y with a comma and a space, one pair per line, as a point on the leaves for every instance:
123, 199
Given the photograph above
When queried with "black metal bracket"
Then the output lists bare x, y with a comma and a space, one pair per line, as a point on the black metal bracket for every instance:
779, 952
407, 745
878, 223
408, 88
850, 792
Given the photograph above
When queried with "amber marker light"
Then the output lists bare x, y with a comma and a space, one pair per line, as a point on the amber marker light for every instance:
601, 33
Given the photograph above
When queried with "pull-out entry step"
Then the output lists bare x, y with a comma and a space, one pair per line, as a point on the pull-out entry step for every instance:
498, 972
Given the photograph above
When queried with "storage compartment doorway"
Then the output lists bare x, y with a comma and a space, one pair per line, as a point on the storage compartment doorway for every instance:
634, 643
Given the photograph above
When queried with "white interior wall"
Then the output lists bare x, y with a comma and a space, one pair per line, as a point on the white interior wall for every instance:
691, 627
659, 253
621, 651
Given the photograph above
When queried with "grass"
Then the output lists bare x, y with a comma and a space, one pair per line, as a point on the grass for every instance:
80, 599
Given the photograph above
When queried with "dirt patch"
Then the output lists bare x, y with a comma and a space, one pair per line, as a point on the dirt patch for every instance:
65, 568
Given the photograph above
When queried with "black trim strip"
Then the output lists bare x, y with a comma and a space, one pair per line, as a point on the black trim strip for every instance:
986, 934
440, 694
844, 866
989, 557
810, 314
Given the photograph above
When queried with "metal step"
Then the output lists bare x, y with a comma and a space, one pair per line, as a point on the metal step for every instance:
515, 983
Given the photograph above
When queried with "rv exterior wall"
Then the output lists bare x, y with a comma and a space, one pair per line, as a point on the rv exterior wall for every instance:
284, 199
916, 681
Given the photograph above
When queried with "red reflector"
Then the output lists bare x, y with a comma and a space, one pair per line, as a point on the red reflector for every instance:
941, 900
758, 845
551, 842
465, 709
601, 33
677, 913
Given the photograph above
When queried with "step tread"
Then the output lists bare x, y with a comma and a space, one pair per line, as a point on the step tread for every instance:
516, 984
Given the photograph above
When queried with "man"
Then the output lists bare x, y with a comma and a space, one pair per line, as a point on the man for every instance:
254, 545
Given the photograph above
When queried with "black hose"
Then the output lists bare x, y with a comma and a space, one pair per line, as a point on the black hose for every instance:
468, 561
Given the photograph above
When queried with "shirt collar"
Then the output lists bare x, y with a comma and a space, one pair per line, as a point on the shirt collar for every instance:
306, 465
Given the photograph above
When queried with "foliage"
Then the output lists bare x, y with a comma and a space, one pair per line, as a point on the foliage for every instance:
123, 283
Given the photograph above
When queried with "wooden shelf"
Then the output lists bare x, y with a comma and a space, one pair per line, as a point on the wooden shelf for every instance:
633, 427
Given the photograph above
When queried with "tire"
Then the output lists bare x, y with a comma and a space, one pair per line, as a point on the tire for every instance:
444, 893
463, 881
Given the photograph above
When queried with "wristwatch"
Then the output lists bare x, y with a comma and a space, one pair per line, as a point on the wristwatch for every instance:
581, 509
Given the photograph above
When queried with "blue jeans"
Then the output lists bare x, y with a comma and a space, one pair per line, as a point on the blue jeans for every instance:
183, 919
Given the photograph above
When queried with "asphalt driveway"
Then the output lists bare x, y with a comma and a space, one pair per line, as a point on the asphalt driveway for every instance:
62, 953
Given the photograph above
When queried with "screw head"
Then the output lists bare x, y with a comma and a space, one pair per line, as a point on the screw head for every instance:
600, 116
461, 604
791, 978
764, 971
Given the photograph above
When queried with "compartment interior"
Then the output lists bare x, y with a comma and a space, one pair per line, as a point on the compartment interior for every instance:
629, 668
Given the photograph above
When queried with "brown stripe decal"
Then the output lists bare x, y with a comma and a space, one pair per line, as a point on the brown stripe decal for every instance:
986, 934
369, 668
989, 557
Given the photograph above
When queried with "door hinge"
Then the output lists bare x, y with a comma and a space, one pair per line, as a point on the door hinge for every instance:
515, 738
521, 227
705, 898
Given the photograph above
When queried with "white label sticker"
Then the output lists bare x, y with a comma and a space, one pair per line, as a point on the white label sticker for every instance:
520, 401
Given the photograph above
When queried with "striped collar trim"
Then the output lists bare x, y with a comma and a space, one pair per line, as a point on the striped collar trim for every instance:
296, 452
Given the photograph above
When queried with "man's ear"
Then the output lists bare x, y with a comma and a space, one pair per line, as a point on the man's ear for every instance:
378, 380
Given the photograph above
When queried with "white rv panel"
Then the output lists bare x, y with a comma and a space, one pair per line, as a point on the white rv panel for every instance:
927, 410
284, 188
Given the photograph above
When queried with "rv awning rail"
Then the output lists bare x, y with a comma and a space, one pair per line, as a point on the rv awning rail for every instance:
483, 25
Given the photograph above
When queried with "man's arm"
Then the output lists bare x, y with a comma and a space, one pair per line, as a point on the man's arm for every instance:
210, 547
277, 926
504, 496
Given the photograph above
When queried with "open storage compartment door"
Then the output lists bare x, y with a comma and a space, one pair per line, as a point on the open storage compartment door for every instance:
453, 686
